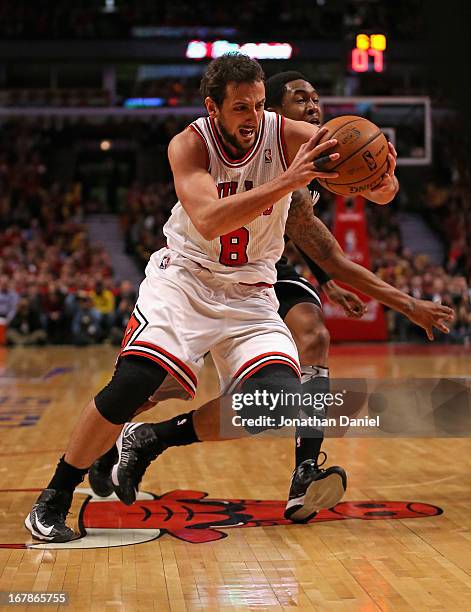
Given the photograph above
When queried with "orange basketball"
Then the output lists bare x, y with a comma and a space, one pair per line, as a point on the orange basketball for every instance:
363, 158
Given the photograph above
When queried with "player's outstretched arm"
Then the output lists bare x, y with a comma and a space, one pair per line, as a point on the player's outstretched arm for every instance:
197, 192
314, 238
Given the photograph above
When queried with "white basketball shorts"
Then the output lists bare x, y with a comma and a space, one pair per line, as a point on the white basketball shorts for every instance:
183, 311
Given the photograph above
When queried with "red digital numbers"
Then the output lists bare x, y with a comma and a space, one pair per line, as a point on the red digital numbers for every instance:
368, 46
361, 60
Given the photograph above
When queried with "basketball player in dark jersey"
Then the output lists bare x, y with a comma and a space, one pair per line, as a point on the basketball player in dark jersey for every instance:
291, 95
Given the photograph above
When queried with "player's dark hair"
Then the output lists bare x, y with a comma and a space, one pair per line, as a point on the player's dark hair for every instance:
275, 86
234, 67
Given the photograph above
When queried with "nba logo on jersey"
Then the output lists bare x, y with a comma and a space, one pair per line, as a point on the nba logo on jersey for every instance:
268, 157
164, 263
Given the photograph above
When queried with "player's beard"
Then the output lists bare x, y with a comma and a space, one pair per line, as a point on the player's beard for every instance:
232, 140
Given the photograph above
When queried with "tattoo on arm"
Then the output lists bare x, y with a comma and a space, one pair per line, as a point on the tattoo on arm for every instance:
306, 230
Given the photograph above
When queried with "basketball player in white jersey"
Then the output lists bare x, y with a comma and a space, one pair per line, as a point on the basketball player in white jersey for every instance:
209, 289
299, 307
212, 287
311, 487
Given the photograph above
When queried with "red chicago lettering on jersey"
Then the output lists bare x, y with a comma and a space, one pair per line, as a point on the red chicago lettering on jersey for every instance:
230, 188
248, 186
227, 189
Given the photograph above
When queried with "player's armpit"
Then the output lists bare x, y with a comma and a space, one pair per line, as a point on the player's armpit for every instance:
307, 231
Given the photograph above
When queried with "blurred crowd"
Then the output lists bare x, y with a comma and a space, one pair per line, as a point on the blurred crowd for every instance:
148, 207
443, 200
415, 274
146, 211
175, 91
265, 18
65, 314
55, 286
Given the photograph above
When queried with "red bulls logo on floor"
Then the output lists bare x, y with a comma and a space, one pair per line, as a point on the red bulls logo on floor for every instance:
193, 517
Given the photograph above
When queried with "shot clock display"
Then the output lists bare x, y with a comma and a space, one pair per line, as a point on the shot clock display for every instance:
367, 56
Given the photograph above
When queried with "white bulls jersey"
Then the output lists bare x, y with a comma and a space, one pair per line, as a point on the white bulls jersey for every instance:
248, 254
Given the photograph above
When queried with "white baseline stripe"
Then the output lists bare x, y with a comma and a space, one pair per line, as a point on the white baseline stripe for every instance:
279, 123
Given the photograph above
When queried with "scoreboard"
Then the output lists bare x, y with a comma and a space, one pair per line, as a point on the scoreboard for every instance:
368, 54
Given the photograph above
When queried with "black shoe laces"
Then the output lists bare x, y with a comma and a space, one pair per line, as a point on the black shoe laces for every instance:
138, 462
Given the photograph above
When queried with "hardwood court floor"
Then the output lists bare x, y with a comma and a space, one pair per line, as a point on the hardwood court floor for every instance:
390, 564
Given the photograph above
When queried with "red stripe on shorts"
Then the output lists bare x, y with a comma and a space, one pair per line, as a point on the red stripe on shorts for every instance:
165, 366
177, 361
255, 359
262, 365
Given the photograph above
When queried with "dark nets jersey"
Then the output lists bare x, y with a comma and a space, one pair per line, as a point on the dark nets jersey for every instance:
285, 271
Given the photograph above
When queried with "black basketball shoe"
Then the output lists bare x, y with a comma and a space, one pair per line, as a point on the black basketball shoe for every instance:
46, 521
99, 475
138, 445
313, 489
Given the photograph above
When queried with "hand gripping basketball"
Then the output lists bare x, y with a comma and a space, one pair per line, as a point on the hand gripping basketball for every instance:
304, 169
364, 156
389, 185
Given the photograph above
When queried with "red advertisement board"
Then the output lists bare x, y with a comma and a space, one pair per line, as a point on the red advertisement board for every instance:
351, 232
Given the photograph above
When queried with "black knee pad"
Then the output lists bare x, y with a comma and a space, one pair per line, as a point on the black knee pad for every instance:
278, 388
134, 381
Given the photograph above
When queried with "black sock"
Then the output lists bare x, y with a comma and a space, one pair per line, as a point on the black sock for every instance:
315, 379
66, 477
178, 431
